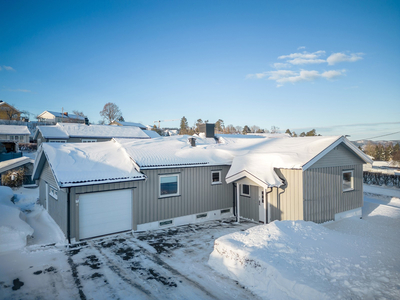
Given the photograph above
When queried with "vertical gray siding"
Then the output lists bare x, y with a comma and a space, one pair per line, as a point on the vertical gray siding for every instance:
323, 192
287, 203
197, 194
58, 210
339, 156
47, 175
249, 208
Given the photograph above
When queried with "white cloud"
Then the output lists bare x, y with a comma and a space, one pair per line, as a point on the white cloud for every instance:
257, 75
8, 68
304, 55
302, 61
287, 76
341, 57
281, 65
302, 47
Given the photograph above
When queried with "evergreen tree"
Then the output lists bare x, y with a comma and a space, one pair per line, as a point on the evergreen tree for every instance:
302, 134
294, 134
156, 129
288, 132
246, 129
311, 133
196, 125
219, 126
184, 127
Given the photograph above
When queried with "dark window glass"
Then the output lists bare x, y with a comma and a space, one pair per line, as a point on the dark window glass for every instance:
169, 185
246, 189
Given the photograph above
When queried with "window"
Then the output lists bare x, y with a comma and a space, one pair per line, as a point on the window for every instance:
89, 141
57, 141
215, 177
348, 182
201, 216
169, 185
225, 211
53, 192
165, 223
245, 190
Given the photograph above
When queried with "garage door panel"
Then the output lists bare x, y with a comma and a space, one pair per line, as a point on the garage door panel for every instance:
105, 213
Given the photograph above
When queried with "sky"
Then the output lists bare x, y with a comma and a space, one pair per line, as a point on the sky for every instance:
333, 66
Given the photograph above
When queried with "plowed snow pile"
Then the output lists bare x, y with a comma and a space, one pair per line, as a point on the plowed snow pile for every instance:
304, 260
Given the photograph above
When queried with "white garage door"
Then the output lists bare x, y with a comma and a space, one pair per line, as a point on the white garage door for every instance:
104, 213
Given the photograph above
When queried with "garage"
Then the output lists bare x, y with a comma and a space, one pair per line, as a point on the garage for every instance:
105, 213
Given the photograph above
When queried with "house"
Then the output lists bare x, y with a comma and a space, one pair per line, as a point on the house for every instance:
81, 133
57, 117
121, 123
15, 133
17, 163
8, 112
158, 183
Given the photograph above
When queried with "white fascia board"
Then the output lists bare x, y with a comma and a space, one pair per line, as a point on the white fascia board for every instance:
331, 147
243, 174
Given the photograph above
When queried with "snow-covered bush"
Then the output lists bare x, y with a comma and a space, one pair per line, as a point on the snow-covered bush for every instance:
13, 178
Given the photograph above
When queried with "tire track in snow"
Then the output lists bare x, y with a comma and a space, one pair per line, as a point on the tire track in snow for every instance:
121, 273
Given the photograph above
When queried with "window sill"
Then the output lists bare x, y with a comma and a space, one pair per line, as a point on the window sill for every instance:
349, 190
247, 196
168, 196
216, 183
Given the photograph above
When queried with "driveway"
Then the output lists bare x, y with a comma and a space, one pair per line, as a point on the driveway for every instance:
167, 264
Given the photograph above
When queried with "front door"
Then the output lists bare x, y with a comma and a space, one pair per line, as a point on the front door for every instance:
261, 209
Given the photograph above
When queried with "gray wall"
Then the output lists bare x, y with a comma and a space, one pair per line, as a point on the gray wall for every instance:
249, 207
197, 194
323, 192
339, 156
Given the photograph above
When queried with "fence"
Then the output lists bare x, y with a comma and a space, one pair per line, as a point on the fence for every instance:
376, 178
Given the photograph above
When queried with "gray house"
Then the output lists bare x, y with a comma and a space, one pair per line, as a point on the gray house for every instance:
14, 133
81, 133
158, 183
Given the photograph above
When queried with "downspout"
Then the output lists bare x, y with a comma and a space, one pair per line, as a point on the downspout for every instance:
268, 204
69, 216
234, 199
279, 194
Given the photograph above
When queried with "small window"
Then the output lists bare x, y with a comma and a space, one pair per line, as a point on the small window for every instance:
215, 177
246, 190
89, 141
201, 216
165, 223
169, 185
57, 141
225, 211
348, 182
53, 192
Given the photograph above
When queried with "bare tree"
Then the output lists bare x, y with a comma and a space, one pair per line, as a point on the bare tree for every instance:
11, 113
110, 112
275, 129
254, 128
79, 113
239, 129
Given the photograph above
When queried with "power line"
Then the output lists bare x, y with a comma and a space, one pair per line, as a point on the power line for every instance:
381, 135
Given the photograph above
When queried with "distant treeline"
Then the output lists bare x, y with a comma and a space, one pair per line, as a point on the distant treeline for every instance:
381, 152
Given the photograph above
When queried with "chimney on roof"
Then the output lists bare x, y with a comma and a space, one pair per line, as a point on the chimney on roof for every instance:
65, 113
86, 121
208, 129
192, 141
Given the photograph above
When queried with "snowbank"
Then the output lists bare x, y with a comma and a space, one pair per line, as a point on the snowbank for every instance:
303, 260
13, 230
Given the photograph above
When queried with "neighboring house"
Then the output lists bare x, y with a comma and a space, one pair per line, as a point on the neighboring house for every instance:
9, 150
14, 164
8, 112
158, 183
120, 123
57, 117
15, 133
81, 133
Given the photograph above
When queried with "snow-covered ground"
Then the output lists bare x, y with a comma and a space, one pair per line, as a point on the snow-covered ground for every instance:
352, 258
349, 259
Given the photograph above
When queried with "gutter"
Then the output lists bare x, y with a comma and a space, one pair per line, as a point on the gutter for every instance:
69, 216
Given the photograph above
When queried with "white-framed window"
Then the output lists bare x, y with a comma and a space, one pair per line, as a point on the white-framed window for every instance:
57, 141
348, 180
245, 190
169, 185
89, 141
53, 192
216, 177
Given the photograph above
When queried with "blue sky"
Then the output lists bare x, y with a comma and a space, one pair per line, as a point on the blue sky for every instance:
291, 64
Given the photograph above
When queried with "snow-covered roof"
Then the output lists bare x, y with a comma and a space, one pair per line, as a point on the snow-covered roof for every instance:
14, 163
75, 164
14, 129
66, 116
249, 156
69, 130
130, 124
151, 133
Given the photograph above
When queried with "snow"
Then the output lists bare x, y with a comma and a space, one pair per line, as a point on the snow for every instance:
14, 163
70, 130
14, 129
151, 133
349, 259
74, 164
13, 230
